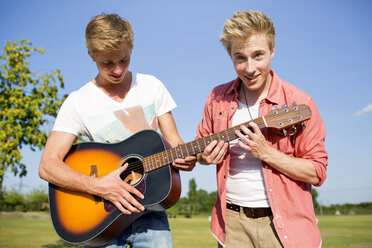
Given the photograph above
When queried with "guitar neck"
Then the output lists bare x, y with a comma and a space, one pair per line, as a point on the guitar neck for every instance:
194, 147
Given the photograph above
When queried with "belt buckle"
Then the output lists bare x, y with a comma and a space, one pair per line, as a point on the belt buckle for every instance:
249, 212
253, 213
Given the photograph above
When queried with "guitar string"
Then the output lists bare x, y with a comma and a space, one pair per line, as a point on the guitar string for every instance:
139, 164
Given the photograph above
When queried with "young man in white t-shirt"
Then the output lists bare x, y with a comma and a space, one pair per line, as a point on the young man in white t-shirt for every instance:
110, 108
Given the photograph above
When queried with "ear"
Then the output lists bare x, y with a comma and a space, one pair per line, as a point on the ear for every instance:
91, 55
272, 53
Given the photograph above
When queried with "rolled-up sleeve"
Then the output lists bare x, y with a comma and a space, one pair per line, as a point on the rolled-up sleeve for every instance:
309, 143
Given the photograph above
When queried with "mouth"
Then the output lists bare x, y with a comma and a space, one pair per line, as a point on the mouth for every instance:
117, 77
251, 78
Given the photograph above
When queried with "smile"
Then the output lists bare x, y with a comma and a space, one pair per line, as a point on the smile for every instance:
251, 77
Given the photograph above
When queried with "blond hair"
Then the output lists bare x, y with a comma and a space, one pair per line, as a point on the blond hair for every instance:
107, 32
244, 24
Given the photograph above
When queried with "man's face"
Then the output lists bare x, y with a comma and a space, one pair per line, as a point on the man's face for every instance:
113, 65
252, 61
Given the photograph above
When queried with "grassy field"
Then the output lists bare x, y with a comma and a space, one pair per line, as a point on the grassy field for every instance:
36, 230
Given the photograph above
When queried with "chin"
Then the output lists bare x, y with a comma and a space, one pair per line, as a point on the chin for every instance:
254, 86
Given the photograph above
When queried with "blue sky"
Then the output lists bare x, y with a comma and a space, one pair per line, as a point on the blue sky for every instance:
323, 47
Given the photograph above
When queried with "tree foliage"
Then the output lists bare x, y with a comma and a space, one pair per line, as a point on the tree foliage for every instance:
192, 195
28, 103
35, 200
13, 199
314, 195
196, 202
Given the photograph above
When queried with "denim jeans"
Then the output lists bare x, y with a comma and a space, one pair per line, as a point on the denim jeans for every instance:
149, 231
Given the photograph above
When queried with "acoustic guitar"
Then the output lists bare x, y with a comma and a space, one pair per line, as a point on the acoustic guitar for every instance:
81, 218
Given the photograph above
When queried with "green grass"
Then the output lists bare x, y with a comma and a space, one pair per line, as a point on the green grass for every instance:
192, 232
36, 230
346, 231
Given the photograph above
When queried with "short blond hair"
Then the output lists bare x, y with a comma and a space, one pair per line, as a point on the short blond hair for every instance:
244, 24
107, 32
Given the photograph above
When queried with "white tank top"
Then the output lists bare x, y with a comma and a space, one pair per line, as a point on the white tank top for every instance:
245, 184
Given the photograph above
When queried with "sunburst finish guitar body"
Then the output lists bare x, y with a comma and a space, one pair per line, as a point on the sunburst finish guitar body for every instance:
81, 218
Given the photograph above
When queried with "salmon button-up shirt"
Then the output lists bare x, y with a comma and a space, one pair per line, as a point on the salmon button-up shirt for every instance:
290, 200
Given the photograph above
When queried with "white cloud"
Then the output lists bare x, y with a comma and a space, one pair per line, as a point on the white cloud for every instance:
366, 110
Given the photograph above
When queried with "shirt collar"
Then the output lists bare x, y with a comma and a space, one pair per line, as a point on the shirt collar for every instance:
234, 87
276, 84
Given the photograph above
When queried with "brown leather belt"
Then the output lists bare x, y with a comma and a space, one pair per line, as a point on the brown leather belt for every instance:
251, 212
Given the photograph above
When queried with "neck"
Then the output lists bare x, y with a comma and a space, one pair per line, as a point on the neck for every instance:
115, 91
253, 97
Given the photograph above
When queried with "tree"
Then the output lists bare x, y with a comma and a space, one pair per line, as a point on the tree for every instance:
28, 102
206, 201
193, 196
314, 195
36, 198
13, 200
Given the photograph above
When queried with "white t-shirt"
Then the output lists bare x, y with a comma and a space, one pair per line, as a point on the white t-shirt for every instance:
245, 184
90, 112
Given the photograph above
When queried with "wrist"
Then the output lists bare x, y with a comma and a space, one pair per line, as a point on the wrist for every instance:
87, 184
270, 156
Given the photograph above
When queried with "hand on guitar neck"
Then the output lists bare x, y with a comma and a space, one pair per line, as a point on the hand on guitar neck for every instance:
250, 136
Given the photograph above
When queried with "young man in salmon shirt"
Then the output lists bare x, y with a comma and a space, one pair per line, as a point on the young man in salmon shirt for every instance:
264, 177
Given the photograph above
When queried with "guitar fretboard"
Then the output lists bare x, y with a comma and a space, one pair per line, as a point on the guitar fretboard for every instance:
194, 147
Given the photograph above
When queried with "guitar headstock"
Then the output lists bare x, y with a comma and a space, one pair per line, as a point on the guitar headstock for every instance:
287, 116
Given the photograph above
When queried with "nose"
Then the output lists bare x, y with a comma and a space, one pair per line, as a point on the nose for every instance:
250, 66
118, 69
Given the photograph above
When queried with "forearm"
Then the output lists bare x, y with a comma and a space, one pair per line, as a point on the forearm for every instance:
57, 172
168, 128
296, 168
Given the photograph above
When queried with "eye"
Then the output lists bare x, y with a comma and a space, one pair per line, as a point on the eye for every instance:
258, 55
106, 63
240, 58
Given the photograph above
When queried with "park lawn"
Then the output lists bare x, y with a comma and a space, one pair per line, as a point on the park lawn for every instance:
36, 230
192, 232
28, 230
346, 231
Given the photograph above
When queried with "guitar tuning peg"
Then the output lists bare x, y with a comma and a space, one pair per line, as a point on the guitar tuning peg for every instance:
284, 132
294, 129
274, 107
294, 103
303, 125
284, 106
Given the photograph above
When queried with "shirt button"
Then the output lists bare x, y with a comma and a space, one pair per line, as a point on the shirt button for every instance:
285, 236
224, 176
270, 190
266, 167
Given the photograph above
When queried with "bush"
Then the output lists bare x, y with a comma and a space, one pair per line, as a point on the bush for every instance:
36, 200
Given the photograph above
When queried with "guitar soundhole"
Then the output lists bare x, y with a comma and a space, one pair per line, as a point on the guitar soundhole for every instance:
134, 172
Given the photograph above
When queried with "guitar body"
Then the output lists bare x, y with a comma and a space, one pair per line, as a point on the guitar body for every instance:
82, 218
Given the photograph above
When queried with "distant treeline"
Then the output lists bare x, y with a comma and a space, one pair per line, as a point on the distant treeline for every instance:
345, 209
36, 200
197, 202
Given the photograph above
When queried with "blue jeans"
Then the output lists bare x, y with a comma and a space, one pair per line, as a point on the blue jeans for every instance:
148, 231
